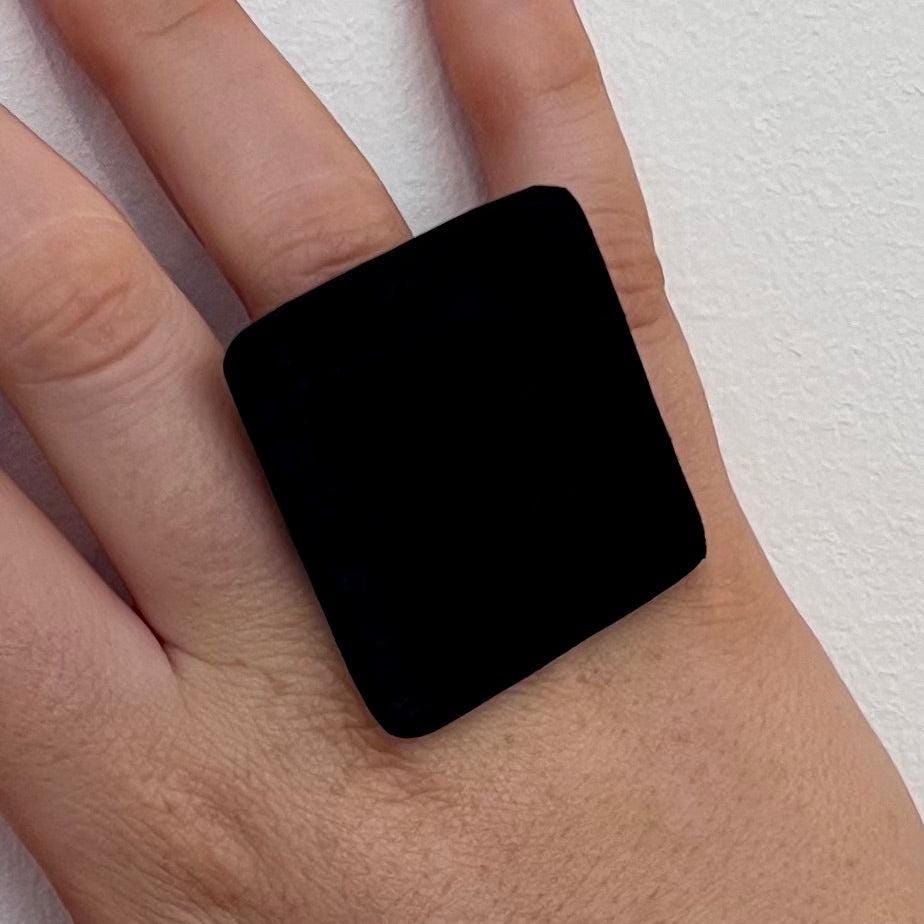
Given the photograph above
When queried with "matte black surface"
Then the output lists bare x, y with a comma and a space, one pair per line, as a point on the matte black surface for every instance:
465, 448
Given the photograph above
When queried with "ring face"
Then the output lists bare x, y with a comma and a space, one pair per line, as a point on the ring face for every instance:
466, 451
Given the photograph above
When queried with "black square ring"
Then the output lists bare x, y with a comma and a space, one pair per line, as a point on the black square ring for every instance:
465, 448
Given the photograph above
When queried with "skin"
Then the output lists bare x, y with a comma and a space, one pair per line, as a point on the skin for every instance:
204, 757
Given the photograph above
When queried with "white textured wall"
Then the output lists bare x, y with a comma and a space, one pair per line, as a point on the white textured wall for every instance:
780, 146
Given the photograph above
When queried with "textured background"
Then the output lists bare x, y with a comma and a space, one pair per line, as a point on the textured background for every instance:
780, 146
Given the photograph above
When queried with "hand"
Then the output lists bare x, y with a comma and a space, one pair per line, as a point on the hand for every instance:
205, 758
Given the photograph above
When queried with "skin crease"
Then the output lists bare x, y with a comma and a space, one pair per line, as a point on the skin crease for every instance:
210, 762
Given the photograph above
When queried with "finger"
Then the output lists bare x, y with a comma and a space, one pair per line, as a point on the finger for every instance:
76, 667
263, 173
120, 381
529, 80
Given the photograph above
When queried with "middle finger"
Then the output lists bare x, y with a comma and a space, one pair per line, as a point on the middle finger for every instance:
271, 184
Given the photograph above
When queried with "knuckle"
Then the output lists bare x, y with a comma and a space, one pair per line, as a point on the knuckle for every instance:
632, 259
175, 15
83, 304
565, 68
200, 837
639, 282
180, 823
541, 62
110, 34
625, 239
300, 239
